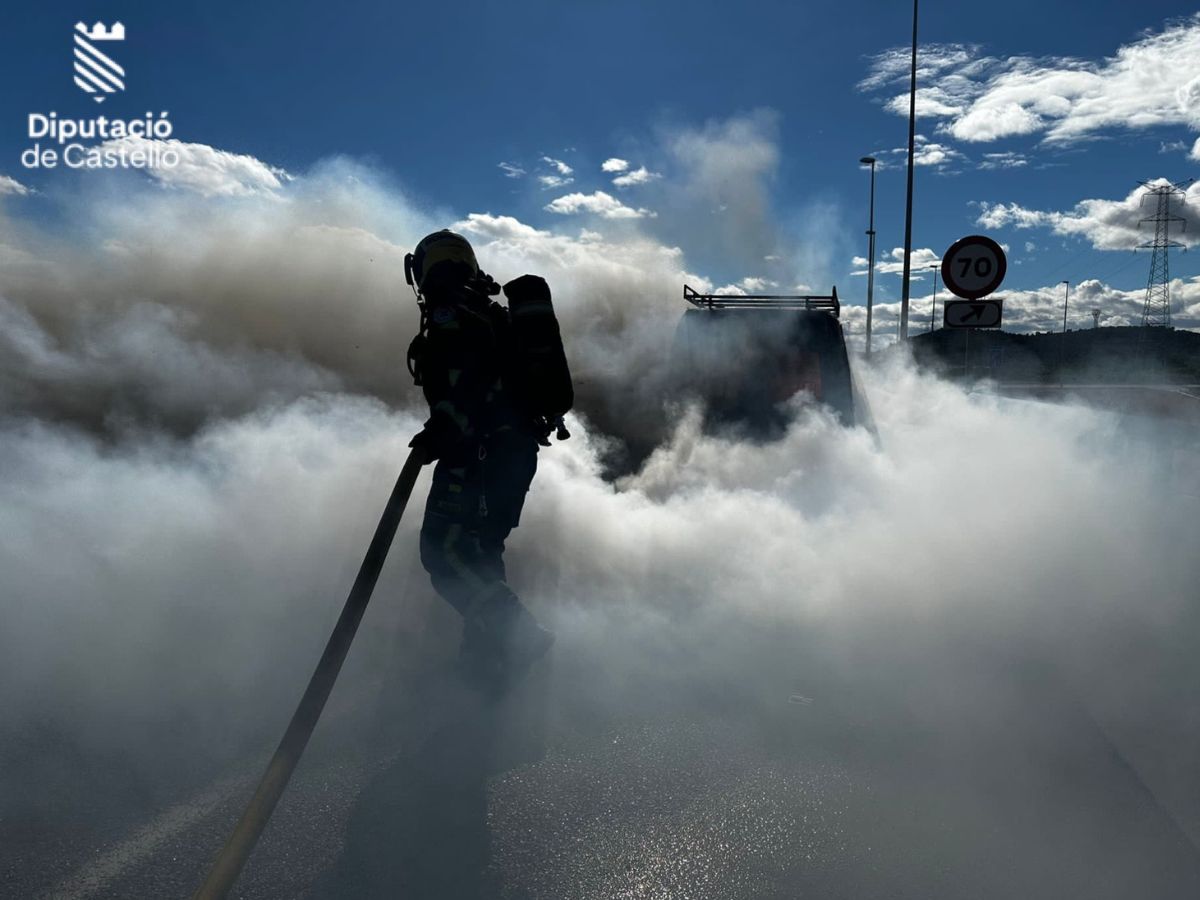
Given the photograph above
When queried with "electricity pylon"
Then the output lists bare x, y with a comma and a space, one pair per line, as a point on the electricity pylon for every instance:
1157, 310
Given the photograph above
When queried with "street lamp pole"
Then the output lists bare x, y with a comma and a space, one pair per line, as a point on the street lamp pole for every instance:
1062, 344
933, 311
870, 161
912, 140
1066, 297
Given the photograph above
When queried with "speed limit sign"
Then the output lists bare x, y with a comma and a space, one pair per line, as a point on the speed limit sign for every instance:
973, 267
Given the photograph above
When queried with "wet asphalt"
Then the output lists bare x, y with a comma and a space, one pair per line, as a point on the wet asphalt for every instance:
956, 774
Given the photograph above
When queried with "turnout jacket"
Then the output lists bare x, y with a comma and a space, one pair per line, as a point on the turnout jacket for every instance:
465, 367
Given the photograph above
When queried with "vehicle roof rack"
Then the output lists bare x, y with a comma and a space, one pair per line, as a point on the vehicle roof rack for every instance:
822, 302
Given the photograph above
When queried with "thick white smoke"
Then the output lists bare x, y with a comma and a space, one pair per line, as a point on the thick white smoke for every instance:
204, 404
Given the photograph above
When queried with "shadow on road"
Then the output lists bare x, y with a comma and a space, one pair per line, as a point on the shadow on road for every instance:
420, 827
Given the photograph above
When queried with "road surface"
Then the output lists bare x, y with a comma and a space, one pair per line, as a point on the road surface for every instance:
752, 765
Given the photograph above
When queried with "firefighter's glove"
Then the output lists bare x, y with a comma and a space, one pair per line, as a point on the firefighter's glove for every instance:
433, 441
527, 288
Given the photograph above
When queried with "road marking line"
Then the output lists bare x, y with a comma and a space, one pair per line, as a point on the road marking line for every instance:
130, 852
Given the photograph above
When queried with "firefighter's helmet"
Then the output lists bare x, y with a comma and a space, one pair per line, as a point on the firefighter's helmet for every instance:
441, 258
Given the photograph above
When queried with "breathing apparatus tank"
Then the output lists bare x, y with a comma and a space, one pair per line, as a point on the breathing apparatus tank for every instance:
543, 378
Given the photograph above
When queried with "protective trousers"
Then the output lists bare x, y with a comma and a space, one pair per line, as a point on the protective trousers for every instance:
473, 505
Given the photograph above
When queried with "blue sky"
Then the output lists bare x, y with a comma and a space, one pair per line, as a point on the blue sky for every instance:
1029, 110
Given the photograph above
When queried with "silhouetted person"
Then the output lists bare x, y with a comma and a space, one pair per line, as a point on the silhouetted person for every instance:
496, 384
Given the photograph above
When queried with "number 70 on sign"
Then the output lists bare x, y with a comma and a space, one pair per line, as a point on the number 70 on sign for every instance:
973, 267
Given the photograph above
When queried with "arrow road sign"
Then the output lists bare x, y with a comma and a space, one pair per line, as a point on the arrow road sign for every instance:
973, 267
972, 313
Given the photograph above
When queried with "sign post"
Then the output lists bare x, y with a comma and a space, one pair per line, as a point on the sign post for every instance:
972, 268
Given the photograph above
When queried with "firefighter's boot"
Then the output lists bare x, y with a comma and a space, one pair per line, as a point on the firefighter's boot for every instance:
501, 638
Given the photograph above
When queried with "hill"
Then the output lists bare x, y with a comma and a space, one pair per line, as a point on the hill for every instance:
1117, 355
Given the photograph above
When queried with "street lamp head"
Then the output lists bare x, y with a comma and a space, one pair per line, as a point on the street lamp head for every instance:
867, 160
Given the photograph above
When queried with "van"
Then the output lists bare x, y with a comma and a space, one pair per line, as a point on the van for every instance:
744, 356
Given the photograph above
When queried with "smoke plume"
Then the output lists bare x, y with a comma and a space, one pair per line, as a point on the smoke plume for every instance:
203, 405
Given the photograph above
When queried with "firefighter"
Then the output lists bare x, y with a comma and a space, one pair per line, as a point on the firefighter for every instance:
484, 429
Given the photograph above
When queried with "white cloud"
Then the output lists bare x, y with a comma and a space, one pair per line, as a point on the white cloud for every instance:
613, 164
932, 102
558, 165
205, 170
1006, 160
891, 67
751, 284
931, 154
560, 177
927, 153
510, 170
892, 263
554, 181
988, 121
1041, 309
1195, 154
10, 185
1106, 224
499, 228
597, 203
1151, 81
754, 283
999, 215
637, 176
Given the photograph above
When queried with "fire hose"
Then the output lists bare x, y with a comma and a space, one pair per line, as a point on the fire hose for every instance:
250, 826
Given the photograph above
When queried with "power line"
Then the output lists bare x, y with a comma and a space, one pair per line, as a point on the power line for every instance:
1074, 257
1115, 270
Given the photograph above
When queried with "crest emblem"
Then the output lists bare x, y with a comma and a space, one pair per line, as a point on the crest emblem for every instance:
95, 71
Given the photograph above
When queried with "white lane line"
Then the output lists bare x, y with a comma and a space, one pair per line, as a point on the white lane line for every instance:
142, 844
